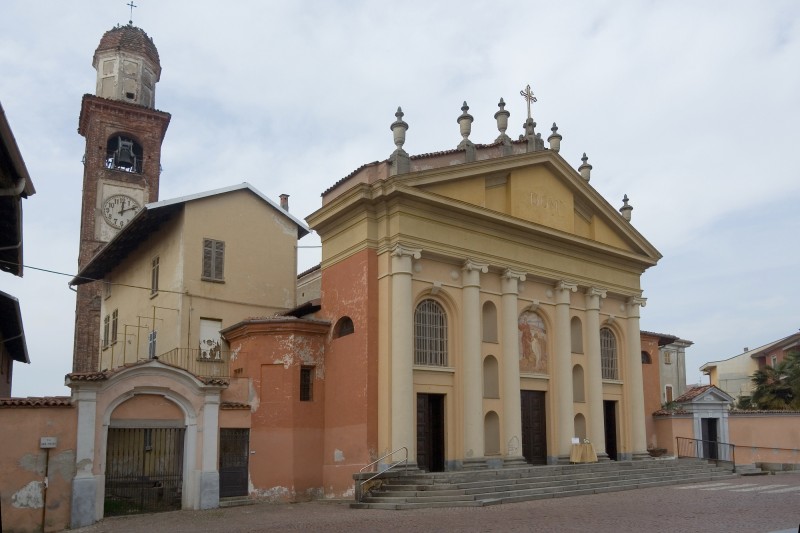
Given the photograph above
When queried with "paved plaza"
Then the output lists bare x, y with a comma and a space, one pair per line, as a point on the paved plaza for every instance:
743, 504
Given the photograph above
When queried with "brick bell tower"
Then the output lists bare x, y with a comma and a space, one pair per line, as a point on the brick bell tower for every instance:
122, 163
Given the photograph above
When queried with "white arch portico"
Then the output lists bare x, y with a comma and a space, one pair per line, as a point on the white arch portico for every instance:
97, 395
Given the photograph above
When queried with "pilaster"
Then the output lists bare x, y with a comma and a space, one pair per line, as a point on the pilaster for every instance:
563, 370
402, 356
594, 371
512, 413
471, 357
633, 380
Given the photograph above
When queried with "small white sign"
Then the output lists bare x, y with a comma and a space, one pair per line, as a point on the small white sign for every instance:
48, 442
576, 440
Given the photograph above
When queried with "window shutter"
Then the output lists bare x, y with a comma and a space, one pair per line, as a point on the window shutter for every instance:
208, 257
219, 260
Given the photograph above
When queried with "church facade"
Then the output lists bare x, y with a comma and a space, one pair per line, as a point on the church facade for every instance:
496, 295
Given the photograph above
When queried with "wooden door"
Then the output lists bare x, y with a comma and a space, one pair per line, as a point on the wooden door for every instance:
234, 454
610, 424
430, 432
534, 427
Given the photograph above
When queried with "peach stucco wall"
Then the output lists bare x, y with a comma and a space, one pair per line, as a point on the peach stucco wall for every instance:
22, 467
350, 288
651, 387
286, 434
765, 437
667, 428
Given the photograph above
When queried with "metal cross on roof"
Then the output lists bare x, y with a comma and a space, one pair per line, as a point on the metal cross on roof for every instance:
528, 96
132, 5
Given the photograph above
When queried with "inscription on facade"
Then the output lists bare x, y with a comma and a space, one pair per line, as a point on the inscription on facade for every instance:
552, 205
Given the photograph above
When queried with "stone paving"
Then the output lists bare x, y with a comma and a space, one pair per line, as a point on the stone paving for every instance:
744, 504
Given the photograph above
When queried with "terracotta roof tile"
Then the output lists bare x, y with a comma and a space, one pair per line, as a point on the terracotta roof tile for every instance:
692, 393
46, 401
131, 39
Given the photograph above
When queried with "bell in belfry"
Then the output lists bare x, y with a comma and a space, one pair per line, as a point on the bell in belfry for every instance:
125, 157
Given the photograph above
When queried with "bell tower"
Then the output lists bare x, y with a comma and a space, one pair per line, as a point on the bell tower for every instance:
122, 162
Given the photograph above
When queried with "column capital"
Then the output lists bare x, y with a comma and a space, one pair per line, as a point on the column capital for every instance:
510, 280
400, 250
475, 266
634, 303
563, 288
593, 296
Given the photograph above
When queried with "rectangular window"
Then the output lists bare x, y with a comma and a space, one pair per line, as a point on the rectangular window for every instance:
154, 276
213, 260
107, 288
667, 358
773, 361
114, 317
306, 383
668, 393
106, 322
151, 344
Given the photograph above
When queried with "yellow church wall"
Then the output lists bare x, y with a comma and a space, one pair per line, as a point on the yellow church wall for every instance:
602, 232
471, 190
538, 196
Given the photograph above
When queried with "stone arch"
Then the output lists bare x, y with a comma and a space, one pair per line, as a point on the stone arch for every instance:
491, 433
491, 377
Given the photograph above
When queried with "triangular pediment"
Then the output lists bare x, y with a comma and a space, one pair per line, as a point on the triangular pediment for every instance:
539, 188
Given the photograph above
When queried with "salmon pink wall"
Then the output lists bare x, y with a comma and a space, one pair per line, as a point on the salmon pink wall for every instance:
651, 384
350, 288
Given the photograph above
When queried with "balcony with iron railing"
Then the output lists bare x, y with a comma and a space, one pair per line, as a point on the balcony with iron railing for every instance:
200, 362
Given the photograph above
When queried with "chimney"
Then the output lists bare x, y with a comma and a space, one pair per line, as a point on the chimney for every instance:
285, 202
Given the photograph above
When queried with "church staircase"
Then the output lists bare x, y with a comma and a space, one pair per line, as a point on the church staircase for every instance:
511, 485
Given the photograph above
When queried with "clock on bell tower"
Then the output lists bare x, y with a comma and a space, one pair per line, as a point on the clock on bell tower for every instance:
122, 162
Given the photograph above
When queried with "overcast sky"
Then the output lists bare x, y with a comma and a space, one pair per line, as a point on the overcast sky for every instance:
690, 108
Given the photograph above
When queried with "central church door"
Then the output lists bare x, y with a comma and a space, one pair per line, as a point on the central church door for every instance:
430, 432
534, 427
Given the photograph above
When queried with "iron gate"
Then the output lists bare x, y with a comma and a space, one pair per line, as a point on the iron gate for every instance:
144, 470
234, 445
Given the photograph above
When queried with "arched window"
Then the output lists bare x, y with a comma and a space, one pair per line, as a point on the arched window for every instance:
491, 433
576, 331
344, 327
489, 322
430, 334
646, 358
123, 153
608, 354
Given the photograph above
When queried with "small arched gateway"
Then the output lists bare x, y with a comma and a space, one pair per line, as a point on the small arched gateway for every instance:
147, 441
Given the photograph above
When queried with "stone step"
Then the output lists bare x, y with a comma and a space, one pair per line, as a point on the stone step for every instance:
499, 487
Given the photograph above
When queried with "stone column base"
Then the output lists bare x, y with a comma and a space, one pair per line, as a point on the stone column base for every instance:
474, 463
642, 456
515, 461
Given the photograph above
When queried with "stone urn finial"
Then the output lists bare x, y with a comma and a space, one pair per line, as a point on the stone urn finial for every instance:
555, 139
585, 169
465, 123
626, 209
399, 128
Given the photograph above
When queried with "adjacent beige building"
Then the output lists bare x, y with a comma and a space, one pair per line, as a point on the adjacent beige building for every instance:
184, 269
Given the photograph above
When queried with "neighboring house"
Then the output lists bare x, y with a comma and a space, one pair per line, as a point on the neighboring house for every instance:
15, 184
733, 375
183, 269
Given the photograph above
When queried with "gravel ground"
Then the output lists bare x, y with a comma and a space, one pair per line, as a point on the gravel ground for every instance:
742, 505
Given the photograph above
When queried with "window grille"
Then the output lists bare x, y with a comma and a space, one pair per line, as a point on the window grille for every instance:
608, 354
306, 383
154, 276
213, 260
430, 334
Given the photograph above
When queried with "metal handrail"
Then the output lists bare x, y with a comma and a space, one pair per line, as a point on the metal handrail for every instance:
699, 447
359, 493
